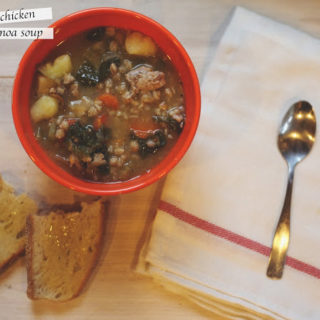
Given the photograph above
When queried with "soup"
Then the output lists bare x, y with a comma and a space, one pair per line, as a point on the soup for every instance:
107, 105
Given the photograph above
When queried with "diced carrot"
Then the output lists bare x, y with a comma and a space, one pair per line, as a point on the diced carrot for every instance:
72, 121
142, 129
142, 133
99, 121
109, 100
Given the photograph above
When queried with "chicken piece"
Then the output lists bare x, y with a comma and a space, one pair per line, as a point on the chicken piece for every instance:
144, 79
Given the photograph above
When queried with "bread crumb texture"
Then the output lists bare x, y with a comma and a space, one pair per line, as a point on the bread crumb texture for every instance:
13, 212
62, 249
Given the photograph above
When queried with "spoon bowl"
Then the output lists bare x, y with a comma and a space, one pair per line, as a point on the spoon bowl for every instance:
297, 132
295, 140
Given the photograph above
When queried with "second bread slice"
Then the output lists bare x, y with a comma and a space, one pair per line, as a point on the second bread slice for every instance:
13, 212
61, 251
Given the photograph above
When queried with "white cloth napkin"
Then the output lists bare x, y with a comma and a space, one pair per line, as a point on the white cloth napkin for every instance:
213, 230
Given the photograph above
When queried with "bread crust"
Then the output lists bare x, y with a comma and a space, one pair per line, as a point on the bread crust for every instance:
29, 257
7, 263
29, 252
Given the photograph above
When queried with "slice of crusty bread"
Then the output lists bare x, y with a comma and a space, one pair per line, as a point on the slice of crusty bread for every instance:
61, 251
13, 212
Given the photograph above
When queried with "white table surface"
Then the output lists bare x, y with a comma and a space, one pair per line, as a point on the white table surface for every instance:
115, 291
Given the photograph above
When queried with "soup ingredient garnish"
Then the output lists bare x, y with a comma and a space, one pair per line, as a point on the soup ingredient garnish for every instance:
56, 70
109, 101
44, 108
151, 143
139, 44
87, 75
143, 78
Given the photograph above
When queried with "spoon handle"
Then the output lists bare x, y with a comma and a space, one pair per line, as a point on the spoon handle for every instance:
281, 237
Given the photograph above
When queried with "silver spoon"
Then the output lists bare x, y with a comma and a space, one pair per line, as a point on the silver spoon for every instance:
295, 140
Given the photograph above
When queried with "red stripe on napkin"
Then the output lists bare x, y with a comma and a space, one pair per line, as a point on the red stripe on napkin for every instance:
234, 237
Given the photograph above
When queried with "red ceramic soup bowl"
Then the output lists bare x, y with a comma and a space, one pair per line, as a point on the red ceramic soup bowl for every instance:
79, 22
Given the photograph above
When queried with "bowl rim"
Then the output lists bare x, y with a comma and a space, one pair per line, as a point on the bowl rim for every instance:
90, 187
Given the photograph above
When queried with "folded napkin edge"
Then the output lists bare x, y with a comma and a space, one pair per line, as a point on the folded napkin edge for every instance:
186, 287
230, 236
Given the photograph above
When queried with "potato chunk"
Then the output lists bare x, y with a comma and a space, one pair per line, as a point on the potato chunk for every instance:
56, 70
44, 108
139, 44
44, 85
